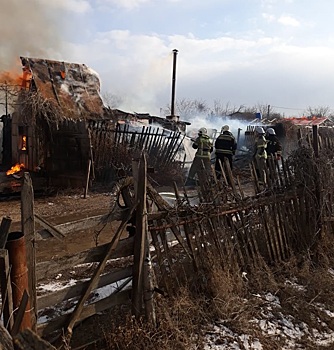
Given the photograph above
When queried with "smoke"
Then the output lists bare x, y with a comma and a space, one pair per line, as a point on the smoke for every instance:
28, 28
214, 123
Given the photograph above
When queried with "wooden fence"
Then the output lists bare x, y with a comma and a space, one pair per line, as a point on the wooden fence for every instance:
113, 148
230, 225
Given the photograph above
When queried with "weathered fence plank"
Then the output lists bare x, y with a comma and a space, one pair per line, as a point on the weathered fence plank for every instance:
61, 295
28, 229
87, 311
47, 269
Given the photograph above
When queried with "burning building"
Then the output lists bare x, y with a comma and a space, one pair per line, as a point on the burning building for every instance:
61, 126
49, 127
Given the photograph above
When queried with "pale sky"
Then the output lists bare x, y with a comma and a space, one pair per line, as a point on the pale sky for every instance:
241, 52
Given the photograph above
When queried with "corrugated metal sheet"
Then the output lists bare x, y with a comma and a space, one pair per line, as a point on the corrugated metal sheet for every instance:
307, 121
74, 87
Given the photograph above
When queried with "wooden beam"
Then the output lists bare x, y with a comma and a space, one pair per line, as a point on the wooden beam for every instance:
6, 290
4, 230
20, 313
139, 176
52, 229
87, 177
28, 229
49, 269
96, 276
61, 295
87, 311
118, 214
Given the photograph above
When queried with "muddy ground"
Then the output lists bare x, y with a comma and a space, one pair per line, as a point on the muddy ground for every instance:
60, 208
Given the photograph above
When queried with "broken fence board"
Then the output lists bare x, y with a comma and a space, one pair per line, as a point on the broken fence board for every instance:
58, 296
51, 228
87, 311
50, 268
4, 230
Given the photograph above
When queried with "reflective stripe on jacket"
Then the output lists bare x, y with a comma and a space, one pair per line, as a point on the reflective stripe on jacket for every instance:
260, 147
203, 144
274, 145
225, 143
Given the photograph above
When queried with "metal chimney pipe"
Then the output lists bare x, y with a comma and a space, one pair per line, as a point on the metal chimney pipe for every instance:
16, 247
173, 83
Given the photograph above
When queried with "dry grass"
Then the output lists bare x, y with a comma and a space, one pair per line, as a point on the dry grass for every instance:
223, 295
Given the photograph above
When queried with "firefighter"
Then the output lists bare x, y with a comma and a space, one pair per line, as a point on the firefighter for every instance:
274, 147
260, 154
204, 146
225, 146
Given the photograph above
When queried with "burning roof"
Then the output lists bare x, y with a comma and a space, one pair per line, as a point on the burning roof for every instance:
74, 88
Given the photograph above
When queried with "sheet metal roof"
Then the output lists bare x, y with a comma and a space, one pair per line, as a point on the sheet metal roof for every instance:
307, 121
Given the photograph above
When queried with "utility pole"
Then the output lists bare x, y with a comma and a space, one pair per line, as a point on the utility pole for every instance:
268, 111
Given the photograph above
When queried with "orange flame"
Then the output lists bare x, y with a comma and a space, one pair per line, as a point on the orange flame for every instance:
15, 168
24, 143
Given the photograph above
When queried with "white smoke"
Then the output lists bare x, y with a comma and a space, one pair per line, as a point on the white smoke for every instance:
214, 124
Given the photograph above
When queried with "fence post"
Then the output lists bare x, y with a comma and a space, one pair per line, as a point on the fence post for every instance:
28, 229
141, 245
315, 140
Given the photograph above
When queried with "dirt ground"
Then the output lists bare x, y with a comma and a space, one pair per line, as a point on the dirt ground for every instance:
61, 208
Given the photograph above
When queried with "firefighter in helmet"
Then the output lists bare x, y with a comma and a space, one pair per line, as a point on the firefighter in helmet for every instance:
260, 154
204, 146
274, 147
225, 146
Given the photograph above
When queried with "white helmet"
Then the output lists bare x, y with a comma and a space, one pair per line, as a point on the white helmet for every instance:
203, 131
259, 130
225, 128
271, 131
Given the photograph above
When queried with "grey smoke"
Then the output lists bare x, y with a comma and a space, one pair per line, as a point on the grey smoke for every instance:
28, 28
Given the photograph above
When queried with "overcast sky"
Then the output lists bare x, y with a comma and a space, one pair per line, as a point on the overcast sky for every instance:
241, 52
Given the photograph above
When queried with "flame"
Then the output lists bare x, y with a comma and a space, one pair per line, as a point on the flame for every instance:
11, 78
24, 143
15, 168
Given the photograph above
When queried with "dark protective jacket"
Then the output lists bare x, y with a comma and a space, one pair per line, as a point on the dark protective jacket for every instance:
204, 146
273, 145
225, 143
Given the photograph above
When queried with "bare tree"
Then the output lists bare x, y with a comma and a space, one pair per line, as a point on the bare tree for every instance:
186, 107
8, 97
222, 109
111, 100
320, 111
